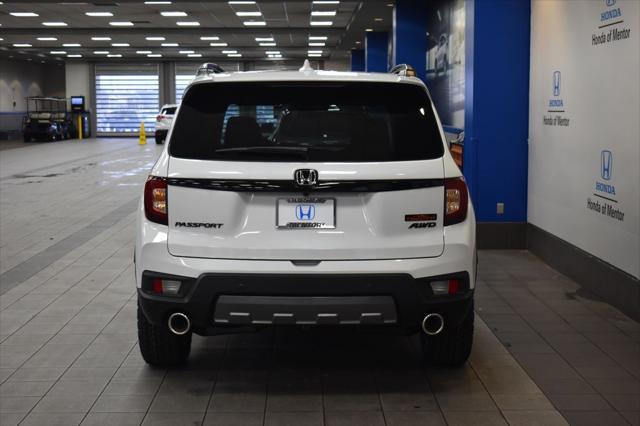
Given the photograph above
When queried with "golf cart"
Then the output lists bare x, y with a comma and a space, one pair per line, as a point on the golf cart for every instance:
47, 119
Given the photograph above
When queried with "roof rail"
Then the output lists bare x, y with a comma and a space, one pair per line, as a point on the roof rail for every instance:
404, 70
209, 68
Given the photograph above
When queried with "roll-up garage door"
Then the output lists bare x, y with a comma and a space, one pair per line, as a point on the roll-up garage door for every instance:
185, 73
126, 95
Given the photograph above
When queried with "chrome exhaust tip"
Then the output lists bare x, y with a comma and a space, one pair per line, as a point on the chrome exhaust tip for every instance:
433, 324
179, 323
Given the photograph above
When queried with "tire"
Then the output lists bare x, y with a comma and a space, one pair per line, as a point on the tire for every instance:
159, 140
160, 347
452, 347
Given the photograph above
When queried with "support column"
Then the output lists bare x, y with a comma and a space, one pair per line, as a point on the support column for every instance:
376, 51
497, 107
410, 35
357, 60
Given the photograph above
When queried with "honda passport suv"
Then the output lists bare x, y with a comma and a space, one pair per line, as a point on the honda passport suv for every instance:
310, 198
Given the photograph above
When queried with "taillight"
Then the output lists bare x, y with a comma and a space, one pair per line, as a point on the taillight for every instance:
165, 287
155, 200
456, 201
160, 117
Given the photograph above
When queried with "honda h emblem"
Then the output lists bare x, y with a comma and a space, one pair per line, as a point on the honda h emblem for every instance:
606, 164
305, 178
556, 83
305, 211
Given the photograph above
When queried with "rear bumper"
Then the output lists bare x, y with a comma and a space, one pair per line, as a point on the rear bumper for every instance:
217, 302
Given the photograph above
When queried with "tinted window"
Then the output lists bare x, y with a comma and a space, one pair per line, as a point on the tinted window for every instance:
169, 111
320, 122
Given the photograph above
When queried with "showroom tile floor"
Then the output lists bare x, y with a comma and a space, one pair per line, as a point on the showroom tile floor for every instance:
544, 352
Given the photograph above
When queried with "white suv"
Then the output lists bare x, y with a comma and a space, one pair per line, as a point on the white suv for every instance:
164, 119
305, 198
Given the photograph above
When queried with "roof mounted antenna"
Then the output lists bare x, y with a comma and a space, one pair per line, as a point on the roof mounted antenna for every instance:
306, 66
209, 68
404, 70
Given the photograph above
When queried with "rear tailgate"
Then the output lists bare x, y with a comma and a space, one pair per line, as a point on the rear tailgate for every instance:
394, 211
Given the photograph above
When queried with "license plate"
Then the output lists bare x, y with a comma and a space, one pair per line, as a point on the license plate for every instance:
306, 213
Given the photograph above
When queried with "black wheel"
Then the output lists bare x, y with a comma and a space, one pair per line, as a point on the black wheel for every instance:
159, 140
159, 346
452, 347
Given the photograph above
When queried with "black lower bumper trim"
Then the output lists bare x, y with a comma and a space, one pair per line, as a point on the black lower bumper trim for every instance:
369, 292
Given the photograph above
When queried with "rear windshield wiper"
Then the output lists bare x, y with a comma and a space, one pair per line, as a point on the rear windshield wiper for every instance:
293, 151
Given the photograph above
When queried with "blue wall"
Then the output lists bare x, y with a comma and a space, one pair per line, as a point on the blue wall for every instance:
497, 107
357, 60
376, 51
410, 35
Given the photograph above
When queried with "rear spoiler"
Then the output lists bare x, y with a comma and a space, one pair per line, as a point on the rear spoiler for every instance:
208, 69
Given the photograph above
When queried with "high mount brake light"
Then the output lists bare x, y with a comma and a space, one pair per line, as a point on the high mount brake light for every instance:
456, 201
155, 200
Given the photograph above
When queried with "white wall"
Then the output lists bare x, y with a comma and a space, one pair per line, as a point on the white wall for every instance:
78, 81
19, 79
599, 95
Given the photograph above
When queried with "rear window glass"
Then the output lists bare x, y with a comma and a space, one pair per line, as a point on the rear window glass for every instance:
319, 122
169, 111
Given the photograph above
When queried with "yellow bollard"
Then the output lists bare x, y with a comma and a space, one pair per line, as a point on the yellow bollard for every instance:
80, 127
143, 134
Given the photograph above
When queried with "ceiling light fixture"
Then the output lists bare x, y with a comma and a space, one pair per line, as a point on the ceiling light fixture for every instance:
321, 23
58, 52
120, 44
195, 55
369, 30
188, 23
267, 44
154, 55
314, 55
272, 52
116, 55
264, 39
155, 38
47, 39
186, 52
321, 38
157, 2
71, 45
121, 24
100, 52
24, 14
323, 13
21, 45
314, 51
326, 2
170, 45
170, 14
54, 24
254, 23
143, 52
249, 13
98, 14
234, 55
207, 38
218, 44
228, 52
317, 44
242, 2
74, 56
101, 38
378, 19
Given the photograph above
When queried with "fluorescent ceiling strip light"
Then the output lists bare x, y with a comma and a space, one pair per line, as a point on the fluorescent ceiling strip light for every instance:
58, 52
254, 23
264, 39
323, 13
320, 38
54, 24
222, 44
21, 45
317, 44
186, 52
154, 55
249, 13
71, 45
100, 52
195, 55
74, 56
120, 44
321, 23
101, 38
24, 14
207, 38
170, 45
117, 55
98, 14
155, 38
121, 24
267, 44
188, 23
143, 52
47, 39
173, 13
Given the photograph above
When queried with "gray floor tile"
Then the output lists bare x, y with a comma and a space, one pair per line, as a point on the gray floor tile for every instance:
310, 418
52, 419
360, 418
173, 419
534, 418
594, 418
414, 418
584, 402
531, 402
18, 404
24, 388
11, 419
122, 404
113, 419
233, 419
476, 418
